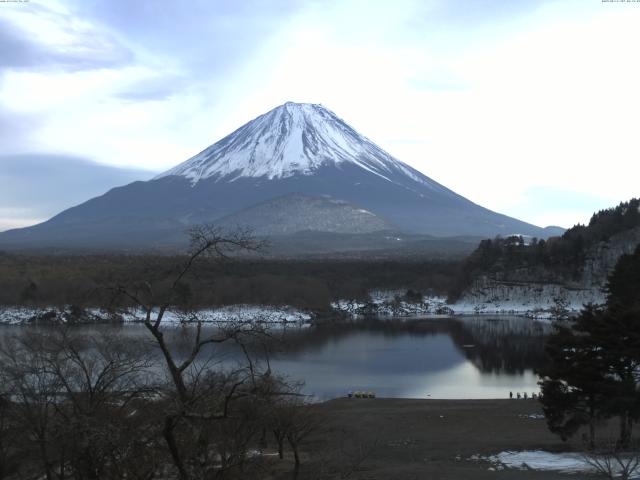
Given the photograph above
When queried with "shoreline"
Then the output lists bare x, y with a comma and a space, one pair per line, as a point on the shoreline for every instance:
268, 314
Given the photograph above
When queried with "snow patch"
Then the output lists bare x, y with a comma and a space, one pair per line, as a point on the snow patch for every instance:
263, 314
541, 460
535, 300
393, 303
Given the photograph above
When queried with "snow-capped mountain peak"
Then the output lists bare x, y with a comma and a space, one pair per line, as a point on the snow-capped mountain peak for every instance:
292, 139
288, 171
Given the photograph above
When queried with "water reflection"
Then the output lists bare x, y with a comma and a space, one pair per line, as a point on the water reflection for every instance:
437, 358
466, 357
505, 345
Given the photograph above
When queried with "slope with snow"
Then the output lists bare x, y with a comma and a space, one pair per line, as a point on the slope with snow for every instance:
294, 138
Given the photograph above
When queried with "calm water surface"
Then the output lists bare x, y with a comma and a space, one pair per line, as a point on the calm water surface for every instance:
466, 357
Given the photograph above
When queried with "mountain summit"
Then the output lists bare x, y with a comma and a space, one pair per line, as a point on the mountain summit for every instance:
297, 153
292, 139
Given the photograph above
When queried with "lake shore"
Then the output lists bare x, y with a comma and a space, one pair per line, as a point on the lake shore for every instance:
435, 439
383, 304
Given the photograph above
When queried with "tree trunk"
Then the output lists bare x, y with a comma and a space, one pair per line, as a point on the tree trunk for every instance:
173, 448
280, 442
263, 438
296, 458
592, 426
45, 460
625, 432
62, 472
175, 373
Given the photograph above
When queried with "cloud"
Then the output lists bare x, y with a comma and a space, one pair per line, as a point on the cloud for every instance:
36, 37
36, 187
198, 37
154, 88
15, 48
477, 12
490, 98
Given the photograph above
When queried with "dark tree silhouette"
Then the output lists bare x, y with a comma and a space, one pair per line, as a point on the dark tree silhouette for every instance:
594, 361
573, 381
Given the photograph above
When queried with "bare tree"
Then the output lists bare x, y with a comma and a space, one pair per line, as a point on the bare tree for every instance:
305, 422
8, 452
100, 407
34, 393
293, 420
198, 396
101, 377
74, 399
612, 463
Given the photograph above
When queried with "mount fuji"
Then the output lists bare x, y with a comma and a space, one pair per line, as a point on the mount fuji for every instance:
297, 168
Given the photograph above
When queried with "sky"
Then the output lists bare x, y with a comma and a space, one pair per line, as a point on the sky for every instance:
527, 107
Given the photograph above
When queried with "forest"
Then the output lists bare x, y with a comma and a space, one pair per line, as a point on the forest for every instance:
83, 280
557, 258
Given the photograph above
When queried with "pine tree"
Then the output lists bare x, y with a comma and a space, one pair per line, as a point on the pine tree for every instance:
593, 370
619, 337
573, 381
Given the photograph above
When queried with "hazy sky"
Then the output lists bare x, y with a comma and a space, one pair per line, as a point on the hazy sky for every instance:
527, 107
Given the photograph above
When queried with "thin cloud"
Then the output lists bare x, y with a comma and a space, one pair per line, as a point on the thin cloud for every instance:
38, 38
155, 88
487, 98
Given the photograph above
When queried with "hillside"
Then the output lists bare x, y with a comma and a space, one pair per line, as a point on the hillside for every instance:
573, 267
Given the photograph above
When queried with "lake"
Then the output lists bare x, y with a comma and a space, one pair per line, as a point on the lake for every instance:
456, 358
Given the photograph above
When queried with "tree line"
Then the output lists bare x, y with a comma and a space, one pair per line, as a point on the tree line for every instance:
556, 259
83, 280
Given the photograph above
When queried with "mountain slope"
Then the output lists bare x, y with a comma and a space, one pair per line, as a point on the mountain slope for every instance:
293, 213
292, 139
293, 148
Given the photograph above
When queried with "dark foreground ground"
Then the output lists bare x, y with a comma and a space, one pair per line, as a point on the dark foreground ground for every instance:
425, 439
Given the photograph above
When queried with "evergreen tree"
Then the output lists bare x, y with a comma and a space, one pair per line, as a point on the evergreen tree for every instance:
573, 382
623, 288
594, 361
619, 337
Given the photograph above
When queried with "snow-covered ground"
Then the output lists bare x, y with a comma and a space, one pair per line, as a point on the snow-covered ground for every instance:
394, 303
531, 299
541, 460
539, 311
15, 315
236, 313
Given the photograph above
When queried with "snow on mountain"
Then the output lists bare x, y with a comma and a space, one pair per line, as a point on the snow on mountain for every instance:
292, 139
248, 178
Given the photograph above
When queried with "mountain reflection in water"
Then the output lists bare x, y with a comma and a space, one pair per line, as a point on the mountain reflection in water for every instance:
463, 357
